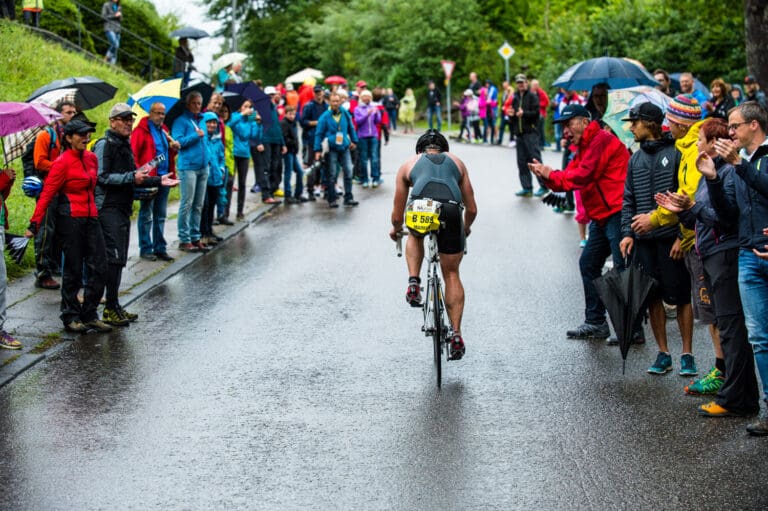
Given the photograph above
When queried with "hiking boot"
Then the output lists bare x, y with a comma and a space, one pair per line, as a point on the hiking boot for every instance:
713, 409
130, 316
590, 331
708, 385
163, 256
688, 365
413, 295
8, 342
525, 192
333, 204
662, 365
760, 426
188, 247
75, 326
47, 282
114, 317
456, 348
98, 325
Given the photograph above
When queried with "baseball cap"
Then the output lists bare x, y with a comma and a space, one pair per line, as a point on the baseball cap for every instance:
121, 110
469, 92
750, 79
521, 78
317, 88
361, 84
79, 127
645, 111
572, 110
269, 90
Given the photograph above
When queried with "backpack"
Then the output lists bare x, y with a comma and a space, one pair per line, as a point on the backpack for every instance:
28, 156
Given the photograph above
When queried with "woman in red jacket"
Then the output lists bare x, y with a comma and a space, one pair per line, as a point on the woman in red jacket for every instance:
73, 179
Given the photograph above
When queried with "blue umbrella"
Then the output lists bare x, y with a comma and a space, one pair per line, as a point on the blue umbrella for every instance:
617, 73
189, 33
674, 79
261, 101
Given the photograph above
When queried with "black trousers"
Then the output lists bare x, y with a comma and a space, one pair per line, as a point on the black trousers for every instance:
261, 164
739, 393
116, 228
241, 167
83, 245
47, 245
527, 149
275, 166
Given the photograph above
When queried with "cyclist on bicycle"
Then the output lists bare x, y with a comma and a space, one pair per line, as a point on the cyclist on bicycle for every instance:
437, 174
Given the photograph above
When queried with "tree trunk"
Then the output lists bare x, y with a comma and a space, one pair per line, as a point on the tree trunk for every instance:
756, 35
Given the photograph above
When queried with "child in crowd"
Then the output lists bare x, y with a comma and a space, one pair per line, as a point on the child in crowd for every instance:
291, 162
217, 172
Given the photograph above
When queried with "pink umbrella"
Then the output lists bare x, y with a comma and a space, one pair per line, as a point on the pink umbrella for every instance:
335, 80
19, 125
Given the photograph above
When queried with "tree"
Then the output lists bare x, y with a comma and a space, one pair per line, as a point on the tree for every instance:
755, 21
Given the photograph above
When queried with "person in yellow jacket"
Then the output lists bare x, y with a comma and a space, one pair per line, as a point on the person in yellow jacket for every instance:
32, 10
684, 118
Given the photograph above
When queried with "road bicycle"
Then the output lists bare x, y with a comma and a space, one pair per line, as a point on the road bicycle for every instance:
422, 216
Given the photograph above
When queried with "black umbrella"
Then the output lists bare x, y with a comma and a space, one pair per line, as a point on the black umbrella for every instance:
16, 246
189, 33
233, 100
90, 91
625, 294
617, 73
261, 101
196, 86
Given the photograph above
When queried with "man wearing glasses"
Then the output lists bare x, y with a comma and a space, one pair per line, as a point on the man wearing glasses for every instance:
747, 200
150, 139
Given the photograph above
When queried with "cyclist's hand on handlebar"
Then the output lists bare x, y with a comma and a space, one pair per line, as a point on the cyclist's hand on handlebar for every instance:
395, 233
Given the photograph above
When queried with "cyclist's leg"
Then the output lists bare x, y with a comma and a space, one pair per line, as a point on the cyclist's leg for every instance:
414, 254
454, 290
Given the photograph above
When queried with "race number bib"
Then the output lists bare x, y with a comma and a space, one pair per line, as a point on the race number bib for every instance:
339, 138
423, 215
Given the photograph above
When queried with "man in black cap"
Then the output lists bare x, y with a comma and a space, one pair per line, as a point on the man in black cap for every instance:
652, 169
753, 93
525, 105
598, 171
114, 200
309, 116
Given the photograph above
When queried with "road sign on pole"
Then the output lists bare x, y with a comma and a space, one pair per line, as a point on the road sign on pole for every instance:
506, 51
448, 66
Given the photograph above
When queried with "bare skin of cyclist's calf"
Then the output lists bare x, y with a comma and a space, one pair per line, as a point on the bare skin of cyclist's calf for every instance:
449, 263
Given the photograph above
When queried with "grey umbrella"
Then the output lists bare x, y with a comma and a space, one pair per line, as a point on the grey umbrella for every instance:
90, 91
189, 33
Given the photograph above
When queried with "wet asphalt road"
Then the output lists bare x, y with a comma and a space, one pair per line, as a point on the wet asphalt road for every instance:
284, 371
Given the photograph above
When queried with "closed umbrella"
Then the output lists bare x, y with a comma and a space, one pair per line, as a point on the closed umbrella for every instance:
621, 100
189, 33
305, 74
19, 125
625, 295
617, 73
227, 60
91, 91
16, 246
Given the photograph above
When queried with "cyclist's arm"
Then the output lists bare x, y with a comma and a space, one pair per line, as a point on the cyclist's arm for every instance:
402, 185
467, 195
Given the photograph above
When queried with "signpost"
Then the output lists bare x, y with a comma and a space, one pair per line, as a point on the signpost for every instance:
506, 52
448, 66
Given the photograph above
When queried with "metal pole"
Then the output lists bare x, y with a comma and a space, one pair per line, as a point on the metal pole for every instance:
506, 69
234, 25
448, 101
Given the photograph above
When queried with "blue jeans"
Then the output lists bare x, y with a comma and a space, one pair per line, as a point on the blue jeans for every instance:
368, 148
290, 165
603, 241
114, 44
151, 223
435, 111
753, 287
558, 135
392, 113
193, 187
334, 159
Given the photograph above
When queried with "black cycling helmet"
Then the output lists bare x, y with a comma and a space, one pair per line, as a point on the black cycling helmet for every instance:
432, 139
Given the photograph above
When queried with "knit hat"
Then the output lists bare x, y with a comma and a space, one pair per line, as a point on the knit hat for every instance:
684, 109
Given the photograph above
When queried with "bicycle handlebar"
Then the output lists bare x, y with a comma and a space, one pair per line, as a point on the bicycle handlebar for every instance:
399, 242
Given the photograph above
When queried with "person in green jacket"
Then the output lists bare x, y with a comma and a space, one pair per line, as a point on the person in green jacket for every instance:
407, 110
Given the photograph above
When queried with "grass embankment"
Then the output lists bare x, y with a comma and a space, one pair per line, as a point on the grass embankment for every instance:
29, 62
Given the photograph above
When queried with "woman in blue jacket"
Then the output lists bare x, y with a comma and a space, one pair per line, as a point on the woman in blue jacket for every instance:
247, 132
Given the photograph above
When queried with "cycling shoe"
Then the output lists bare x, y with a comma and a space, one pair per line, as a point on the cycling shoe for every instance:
456, 348
413, 295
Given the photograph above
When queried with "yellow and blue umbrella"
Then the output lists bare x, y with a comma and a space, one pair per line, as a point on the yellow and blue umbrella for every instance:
166, 92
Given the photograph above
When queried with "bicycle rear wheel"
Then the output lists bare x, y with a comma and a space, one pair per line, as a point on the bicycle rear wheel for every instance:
437, 334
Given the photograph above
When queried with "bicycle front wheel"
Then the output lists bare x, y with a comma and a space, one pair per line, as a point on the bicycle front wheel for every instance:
437, 333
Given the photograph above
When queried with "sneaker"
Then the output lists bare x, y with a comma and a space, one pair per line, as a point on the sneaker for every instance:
333, 204
149, 257
130, 316
350, 203
708, 385
540, 192
713, 409
582, 243
98, 325
114, 317
272, 200
201, 247
75, 326
456, 348
377, 183
240, 217
255, 189
8, 342
413, 295
569, 210
366, 184
292, 200
357, 180
662, 365
760, 426
303, 199
225, 221
311, 197
688, 365
47, 283
188, 247
163, 256
279, 193
525, 192
589, 331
